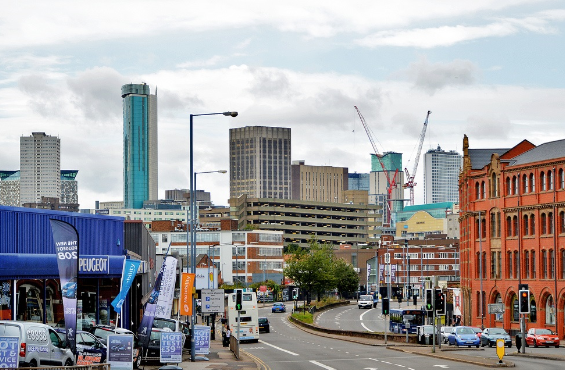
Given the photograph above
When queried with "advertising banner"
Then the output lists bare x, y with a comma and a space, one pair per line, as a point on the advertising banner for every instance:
171, 347
146, 324
456, 301
128, 274
65, 237
201, 339
187, 285
120, 352
9, 351
167, 288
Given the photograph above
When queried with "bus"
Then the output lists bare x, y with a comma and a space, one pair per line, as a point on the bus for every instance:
249, 317
400, 318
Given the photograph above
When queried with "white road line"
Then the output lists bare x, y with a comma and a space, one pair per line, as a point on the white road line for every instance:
322, 365
279, 348
361, 319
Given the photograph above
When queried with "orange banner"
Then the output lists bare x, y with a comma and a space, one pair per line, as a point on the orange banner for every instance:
187, 285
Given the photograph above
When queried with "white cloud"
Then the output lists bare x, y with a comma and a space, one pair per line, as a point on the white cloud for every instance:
433, 77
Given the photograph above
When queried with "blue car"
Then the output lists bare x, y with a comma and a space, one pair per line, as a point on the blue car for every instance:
90, 350
464, 336
69, 290
278, 307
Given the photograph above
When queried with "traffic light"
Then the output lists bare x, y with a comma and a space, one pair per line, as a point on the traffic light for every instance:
295, 293
238, 300
440, 302
524, 301
385, 306
429, 300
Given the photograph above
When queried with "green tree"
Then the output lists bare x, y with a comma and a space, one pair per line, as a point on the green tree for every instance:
346, 278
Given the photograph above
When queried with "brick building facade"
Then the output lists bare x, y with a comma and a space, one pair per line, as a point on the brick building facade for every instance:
512, 223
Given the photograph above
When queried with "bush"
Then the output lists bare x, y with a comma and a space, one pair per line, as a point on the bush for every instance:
307, 317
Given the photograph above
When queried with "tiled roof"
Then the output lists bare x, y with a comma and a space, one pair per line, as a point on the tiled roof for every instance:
481, 157
542, 152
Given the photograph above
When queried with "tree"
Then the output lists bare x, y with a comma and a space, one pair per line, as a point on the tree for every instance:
347, 279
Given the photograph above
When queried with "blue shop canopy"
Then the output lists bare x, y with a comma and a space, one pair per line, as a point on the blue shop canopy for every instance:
44, 266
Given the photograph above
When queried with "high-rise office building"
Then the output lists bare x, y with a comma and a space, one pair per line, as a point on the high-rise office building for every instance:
260, 162
441, 176
318, 183
140, 145
40, 167
359, 181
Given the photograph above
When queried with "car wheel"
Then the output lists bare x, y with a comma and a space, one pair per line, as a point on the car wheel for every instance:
557, 346
137, 363
476, 346
490, 344
69, 362
457, 343
535, 344
33, 363
510, 345
268, 331
527, 345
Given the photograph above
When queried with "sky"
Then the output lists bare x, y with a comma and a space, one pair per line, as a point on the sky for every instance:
488, 69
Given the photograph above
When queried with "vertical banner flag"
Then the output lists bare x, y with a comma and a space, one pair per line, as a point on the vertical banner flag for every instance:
65, 237
167, 289
187, 284
457, 301
128, 274
144, 331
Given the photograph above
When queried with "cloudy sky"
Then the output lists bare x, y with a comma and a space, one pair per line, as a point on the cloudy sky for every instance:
491, 69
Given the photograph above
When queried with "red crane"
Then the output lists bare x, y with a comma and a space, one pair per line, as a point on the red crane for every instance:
390, 182
410, 178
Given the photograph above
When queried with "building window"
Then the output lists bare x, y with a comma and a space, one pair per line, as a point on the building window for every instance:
478, 266
516, 259
477, 191
483, 190
484, 265
550, 313
562, 222
526, 224
544, 263
493, 265
549, 180
508, 188
543, 224
550, 223
561, 179
508, 226
514, 185
533, 274
492, 225
509, 266
515, 308
562, 263
542, 181
515, 227
551, 264
532, 184
525, 184
532, 225
527, 264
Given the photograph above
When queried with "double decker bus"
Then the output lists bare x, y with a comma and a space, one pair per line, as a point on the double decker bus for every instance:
247, 329
401, 318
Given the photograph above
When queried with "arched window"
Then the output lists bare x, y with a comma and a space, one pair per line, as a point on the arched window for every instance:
509, 265
484, 227
561, 179
550, 312
525, 184
515, 227
484, 265
477, 191
532, 225
515, 185
527, 264
508, 188
533, 310
542, 181
532, 183
508, 226
478, 266
533, 264
544, 264
562, 263
492, 225
498, 316
515, 264
549, 180
483, 190
550, 226
551, 264
562, 222
525, 226
543, 224
515, 309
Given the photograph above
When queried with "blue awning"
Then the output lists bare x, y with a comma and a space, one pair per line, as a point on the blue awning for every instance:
44, 266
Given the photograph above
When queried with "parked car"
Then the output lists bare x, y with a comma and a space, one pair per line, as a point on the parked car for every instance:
90, 350
40, 345
464, 336
278, 307
542, 337
103, 331
477, 331
264, 325
445, 331
491, 335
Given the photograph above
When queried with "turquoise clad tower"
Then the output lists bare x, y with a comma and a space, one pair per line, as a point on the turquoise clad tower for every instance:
140, 145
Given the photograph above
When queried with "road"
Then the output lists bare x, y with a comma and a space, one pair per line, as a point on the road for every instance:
286, 346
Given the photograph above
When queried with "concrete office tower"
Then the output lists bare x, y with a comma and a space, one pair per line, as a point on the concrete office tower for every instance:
40, 167
441, 176
260, 162
318, 183
140, 145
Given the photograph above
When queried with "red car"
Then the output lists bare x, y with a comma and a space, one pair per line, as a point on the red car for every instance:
542, 337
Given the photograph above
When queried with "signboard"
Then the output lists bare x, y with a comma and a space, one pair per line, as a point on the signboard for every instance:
120, 352
495, 308
9, 350
212, 300
201, 339
171, 347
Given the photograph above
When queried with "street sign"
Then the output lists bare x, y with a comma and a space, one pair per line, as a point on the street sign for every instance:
212, 300
500, 349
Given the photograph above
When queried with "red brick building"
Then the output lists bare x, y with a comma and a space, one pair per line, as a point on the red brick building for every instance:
512, 219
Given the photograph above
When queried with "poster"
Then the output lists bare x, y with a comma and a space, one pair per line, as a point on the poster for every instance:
9, 350
171, 347
201, 339
187, 285
167, 288
120, 352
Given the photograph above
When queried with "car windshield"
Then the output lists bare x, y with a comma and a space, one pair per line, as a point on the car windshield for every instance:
476, 330
366, 298
428, 329
543, 332
263, 320
497, 331
278, 304
465, 331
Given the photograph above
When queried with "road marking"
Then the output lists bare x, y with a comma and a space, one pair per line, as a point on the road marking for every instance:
361, 319
322, 365
442, 366
279, 348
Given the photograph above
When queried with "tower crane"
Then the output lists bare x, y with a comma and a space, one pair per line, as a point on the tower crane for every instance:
410, 178
390, 182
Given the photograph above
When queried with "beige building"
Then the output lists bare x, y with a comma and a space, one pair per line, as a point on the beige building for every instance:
318, 183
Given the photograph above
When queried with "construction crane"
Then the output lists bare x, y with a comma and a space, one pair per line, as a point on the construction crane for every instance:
390, 182
410, 178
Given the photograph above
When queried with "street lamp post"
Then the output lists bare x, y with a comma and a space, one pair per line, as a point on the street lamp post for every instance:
192, 226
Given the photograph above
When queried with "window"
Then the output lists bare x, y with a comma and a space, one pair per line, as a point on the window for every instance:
550, 223
542, 181
562, 263
477, 191
509, 265
533, 274
551, 264
549, 180
478, 266
561, 179
544, 263
525, 184
484, 265
514, 185
516, 261
492, 225
532, 184
526, 224
532, 225
493, 265
562, 222
543, 224
508, 226
550, 312
515, 226
508, 188
527, 264
483, 190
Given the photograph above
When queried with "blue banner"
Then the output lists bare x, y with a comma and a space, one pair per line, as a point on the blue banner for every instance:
9, 351
144, 331
128, 274
65, 237
201, 339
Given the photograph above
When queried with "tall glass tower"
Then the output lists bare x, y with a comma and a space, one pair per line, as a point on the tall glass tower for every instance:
441, 176
140, 145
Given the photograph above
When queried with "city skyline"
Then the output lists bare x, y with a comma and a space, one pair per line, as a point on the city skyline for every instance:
483, 67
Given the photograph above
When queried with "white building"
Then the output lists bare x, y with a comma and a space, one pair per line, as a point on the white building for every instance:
441, 176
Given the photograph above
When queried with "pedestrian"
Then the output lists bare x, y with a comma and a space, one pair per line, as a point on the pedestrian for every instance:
518, 342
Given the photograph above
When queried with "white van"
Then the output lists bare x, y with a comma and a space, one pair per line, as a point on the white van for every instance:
365, 301
40, 345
